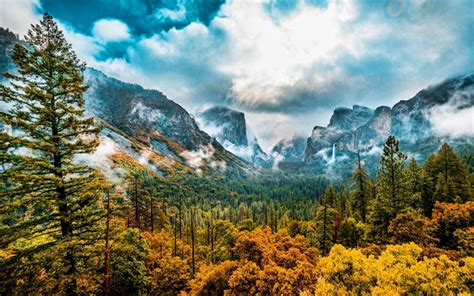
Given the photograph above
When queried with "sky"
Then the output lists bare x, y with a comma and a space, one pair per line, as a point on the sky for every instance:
285, 63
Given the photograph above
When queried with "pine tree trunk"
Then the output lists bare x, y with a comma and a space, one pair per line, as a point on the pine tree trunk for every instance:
212, 237
324, 229
192, 243
137, 210
107, 249
392, 180
152, 217
66, 229
175, 236
61, 192
180, 230
293, 215
361, 188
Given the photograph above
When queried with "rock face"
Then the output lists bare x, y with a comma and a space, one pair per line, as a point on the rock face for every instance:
290, 150
413, 122
7, 42
350, 119
340, 134
225, 124
138, 111
230, 129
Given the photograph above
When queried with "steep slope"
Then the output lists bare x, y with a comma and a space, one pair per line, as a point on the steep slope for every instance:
155, 125
230, 128
140, 111
160, 123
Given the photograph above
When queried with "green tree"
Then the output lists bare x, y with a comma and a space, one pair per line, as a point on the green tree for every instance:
392, 189
449, 177
350, 233
415, 181
48, 199
427, 191
128, 264
360, 194
326, 220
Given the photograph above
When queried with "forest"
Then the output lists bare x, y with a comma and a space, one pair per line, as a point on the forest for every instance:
66, 230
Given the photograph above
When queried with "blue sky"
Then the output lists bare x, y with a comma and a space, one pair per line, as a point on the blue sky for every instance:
287, 64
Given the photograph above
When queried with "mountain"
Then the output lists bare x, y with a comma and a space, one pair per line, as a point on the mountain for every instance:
152, 118
142, 127
290, 149
229, 128
144, 124
7, 42
140, 111
421, 123
339, 134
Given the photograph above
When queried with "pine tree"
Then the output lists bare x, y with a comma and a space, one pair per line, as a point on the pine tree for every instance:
350, 234
428, 188
415, 179
392, 189
449, 176
326, 220
192, 230
51, 200
361, 194
329, 198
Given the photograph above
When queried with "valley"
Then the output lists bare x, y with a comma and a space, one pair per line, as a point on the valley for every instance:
111, 188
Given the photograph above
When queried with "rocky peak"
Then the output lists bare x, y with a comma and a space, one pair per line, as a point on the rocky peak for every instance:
411, 118
229, 127
350, 119
225, 124
290, 149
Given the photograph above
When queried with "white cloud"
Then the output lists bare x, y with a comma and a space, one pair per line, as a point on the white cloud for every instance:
201, 157
18, 15
111, 30
451, 119
268, 57
101, 159
454, 123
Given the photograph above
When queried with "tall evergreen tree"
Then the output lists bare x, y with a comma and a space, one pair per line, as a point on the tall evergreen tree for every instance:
415, 181
428, 188
392, 188
50, 199
326, 220
360, 194
448, 173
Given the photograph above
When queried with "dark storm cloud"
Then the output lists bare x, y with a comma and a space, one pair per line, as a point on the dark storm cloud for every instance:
142, 16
